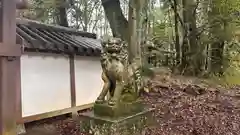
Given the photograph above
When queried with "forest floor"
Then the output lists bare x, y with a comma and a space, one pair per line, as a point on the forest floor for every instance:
184, 106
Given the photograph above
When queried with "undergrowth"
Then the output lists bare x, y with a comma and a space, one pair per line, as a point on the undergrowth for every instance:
231, 75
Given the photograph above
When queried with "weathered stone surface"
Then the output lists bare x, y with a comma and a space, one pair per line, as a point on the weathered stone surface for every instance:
122, 79
128, 125
122, 113
120, 109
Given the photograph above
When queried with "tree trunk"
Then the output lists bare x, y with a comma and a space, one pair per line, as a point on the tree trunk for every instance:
191, 58
206, 53
117, 21
217, 57
145, 30
217, 46
133, 37
177, 42
194, 46
184, 44
130, 30
62, 15
137, 28
85, 16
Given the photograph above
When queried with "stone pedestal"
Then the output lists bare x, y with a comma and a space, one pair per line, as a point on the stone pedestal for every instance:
131, 124
119, 110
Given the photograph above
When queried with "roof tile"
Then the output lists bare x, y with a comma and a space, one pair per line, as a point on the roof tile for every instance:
40, 37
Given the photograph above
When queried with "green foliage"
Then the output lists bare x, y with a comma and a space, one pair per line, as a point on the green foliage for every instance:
162, 32
232, 66
232, 63
220, 21
43, 10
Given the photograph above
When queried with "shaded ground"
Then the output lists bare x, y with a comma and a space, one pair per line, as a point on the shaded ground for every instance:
183, 107
194, 109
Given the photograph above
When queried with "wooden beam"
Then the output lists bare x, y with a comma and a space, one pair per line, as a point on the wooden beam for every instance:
73, 86
8, 29
8, 87
54, 113
20, 4
9, 67
72, 81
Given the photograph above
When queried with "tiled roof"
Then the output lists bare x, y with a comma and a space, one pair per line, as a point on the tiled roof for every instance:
40, 37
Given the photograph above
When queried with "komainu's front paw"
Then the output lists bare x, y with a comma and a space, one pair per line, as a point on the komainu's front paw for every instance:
112, 102
99, 101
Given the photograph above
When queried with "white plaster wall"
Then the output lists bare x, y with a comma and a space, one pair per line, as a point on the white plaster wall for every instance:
88, 79
45, 83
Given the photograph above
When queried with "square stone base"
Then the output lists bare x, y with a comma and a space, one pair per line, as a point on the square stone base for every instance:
120, 109
127, 125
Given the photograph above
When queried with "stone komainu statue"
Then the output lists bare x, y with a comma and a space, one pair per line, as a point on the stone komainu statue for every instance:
121, 79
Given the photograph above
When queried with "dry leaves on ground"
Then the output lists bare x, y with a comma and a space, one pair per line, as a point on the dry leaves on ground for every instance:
184, 107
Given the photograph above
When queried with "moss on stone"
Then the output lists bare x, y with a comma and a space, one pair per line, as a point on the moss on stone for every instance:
118, 110
127, 125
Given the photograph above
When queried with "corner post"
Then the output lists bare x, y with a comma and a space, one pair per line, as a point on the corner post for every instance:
9, 66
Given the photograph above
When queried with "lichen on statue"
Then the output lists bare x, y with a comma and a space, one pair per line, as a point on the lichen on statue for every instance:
121, 79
